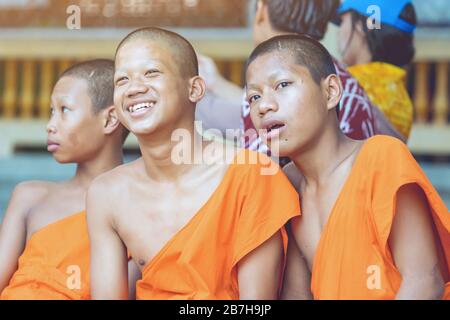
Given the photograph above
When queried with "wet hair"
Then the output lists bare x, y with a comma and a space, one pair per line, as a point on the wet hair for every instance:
182, 51
99, 76
309, 17
305, 51
389, 44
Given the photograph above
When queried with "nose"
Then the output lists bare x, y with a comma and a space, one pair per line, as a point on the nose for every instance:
267, 104
136, 88
51, 126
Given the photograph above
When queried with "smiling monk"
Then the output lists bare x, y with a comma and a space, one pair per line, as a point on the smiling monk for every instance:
211, 230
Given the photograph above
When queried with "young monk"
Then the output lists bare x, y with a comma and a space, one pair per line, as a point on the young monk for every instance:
359, 117
192, 226
44, 245
372, 225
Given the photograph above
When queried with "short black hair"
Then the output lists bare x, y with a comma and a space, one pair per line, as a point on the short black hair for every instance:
181, 49
388, 44
309, 17
99, 76
305, 51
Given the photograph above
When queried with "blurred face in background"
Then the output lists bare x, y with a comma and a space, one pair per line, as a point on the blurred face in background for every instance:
262, 28
351, 40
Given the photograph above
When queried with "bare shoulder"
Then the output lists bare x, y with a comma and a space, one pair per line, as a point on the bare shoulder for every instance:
294, 175
107, 190
32, 192
27, 195
115, 179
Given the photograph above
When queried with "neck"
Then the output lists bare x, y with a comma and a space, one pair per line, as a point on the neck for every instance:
274, 32
363, 57
109, 158
314, 161
168, 157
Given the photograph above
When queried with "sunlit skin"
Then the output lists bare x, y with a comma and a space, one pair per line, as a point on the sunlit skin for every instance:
275, 94
140, 206
75, 135
139, 79
322, 159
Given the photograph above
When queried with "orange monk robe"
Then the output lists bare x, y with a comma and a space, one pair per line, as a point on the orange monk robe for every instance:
353, 259
200, 261
54, 264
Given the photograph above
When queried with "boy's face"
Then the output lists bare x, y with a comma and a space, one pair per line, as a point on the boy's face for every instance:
286, 101
149, 91
74, 132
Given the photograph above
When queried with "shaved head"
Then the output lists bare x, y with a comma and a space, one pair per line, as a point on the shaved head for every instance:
182, 51
304, 51
99, 75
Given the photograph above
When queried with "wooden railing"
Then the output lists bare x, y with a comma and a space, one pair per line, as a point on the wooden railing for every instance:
432, 105
26, 85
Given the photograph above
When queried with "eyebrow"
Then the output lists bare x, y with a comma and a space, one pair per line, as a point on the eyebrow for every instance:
271, 77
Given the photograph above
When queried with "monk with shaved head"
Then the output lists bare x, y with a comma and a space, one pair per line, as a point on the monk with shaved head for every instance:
372, 224
44, 244
191, 225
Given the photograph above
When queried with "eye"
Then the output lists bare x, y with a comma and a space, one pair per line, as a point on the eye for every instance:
64, 109
151, 72
283, 84
52, 111
253, 98
121, 81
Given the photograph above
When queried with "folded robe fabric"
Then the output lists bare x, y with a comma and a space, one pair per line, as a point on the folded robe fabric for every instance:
353, 259
200, 262
54, 264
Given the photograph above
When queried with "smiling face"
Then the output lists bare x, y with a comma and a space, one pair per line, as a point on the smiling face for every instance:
150, 93
286, 101
75, 133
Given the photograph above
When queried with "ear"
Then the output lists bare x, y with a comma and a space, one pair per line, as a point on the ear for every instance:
261, 12
197, 89
333, 91
110, 120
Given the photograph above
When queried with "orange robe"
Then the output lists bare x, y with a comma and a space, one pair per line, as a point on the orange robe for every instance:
54, 264
200, 261
353, 259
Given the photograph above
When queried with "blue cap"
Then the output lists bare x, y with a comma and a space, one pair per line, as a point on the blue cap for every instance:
390, 11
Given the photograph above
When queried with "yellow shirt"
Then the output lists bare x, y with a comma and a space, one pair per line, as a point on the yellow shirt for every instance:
385, 85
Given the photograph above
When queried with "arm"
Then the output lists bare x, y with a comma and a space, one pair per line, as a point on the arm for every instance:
13, 230
222, 104
216, 83
297, 278
413, 246
259, 272
109, 261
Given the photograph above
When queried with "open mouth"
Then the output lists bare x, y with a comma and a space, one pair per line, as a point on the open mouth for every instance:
139, 107
272, 128
275, 127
